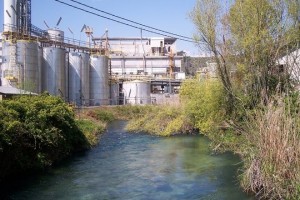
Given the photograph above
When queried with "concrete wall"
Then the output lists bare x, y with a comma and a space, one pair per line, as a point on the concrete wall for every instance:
165, 99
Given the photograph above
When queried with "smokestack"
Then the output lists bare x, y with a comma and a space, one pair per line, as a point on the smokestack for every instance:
10, 15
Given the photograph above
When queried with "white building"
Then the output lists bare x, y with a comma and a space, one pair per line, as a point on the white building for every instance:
147, 56
291, 62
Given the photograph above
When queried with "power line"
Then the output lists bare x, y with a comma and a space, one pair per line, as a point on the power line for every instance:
140, 28
134, 22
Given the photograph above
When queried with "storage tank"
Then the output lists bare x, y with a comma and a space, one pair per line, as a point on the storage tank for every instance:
27, 61
6, 68
99, 87
114, 93
10, 16
137, 92
53, 71
20, 65
40, 66
78, 76
56, 35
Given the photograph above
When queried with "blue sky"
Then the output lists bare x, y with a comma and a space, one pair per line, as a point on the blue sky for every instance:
168, 15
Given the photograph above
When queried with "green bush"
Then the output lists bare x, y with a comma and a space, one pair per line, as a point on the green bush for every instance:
204, 103
35, 132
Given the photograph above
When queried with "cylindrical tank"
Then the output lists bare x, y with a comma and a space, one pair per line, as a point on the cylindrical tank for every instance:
27, 62
53, 71
99, 87
20, 65
40, 66
137, 92
6, 68
114, 93
10, 16
56, 35
78, 76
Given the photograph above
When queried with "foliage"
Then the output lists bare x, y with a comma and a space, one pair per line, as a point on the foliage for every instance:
206, 17
91, 130
162, 121
204, 104
101, 115
35, 132
125, 112
271, 152
130, 111
257, 28
247, 39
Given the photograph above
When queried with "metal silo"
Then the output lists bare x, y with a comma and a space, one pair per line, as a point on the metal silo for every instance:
28, 64
99, 87
137, 92
10, 16
78, 76
53, 71
114, 93
40, 66
20, 65
6, 68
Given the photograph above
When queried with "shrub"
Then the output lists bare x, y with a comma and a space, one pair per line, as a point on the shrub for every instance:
35, 132
203, 103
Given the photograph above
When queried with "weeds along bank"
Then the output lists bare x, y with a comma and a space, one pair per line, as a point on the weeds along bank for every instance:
37, 131
266, 136
271, 151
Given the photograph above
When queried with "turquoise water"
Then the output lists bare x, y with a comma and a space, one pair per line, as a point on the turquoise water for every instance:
139, 166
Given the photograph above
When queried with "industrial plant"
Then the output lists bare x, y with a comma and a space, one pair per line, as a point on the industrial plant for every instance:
101, 71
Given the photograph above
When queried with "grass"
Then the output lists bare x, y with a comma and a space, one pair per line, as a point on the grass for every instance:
162, 121
91, 130
272, 154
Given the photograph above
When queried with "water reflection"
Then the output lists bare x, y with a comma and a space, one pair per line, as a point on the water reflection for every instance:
139, 166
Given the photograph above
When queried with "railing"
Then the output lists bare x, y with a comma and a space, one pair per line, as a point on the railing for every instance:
44, 37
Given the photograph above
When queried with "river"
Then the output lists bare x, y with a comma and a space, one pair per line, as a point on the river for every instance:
139, 167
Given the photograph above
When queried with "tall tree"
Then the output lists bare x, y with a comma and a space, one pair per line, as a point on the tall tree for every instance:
251, 36
259, 30
206, 17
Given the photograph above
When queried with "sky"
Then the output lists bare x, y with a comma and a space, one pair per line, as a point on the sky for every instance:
168, 15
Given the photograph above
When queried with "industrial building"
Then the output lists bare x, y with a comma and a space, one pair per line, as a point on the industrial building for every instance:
102, 71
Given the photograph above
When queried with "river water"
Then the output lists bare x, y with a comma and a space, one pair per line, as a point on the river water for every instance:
142, 167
